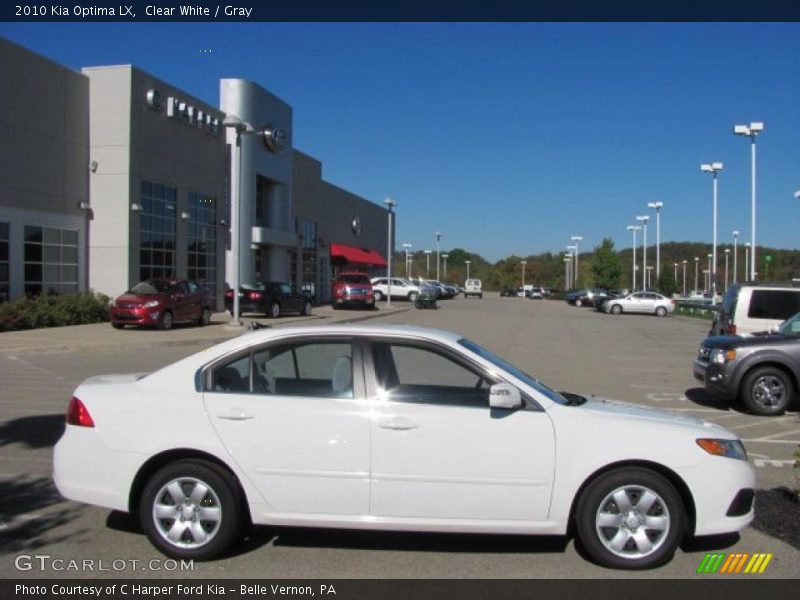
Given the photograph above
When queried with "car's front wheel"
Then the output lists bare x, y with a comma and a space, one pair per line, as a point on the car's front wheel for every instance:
378, 296
166, 321
616, 309
205, 317
578, 302
661, 311
274, 310
412, 296
630, 518
190, 509
767, 391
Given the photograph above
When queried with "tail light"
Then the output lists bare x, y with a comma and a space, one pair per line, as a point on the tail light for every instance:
254, 295
229, 294
77, 414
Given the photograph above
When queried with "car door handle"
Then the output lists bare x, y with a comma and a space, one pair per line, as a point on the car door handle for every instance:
398, 424
235, 415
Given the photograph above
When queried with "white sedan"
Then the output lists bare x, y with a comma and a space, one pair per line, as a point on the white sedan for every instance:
649, 303
392, 428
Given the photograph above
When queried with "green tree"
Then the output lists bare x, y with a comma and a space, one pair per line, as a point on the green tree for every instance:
606, 267
667, 284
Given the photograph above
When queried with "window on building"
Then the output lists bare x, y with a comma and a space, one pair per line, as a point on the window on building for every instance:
157, 231
4, 269
305, 259
201, 240
51, 260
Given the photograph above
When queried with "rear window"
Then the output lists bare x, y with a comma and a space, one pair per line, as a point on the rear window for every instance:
354, 279
150, 287
774, 304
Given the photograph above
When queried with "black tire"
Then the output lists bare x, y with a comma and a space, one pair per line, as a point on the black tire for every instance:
274, 310
767, 391
222, 500
616, 309
205, 317
578, 302
335, 306
306, 310
118, 325
661, 311
378, 296
412, 296
166, 321
634, 538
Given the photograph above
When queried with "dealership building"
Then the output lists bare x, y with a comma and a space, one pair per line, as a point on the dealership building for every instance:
110, 175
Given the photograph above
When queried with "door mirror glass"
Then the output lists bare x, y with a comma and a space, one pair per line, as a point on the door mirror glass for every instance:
504, 395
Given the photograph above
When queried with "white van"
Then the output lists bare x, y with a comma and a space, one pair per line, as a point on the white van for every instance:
751, 307
472, 287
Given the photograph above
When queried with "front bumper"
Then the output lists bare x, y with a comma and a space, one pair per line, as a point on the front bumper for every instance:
715, 378
135, 316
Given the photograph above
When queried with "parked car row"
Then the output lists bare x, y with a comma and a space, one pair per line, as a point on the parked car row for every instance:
162, 303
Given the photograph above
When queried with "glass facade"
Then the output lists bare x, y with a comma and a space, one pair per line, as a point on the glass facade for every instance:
201, 239
4, 269
51, 260
304, 259
157, 231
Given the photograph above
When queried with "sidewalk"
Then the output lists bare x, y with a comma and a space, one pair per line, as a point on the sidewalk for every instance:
101, 335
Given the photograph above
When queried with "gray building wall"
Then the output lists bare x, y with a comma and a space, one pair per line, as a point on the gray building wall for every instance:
44, 150
132, 142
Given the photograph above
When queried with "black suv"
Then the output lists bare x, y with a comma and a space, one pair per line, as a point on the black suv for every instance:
763, 368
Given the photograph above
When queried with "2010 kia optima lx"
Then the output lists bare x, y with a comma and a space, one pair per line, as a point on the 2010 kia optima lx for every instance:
395, 428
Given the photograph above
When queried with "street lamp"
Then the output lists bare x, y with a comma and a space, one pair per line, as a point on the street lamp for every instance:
407, 246
644, 219
751, 131
706, 273
390, 204
727, 254
467, 262
675, 274
240, 128
746, 260
444, 257
427, 264
438, 236
658, 206
649, 270
708, 286
714, 169
634, 229
735, 255
576, 239
696, 262
523, 263
684, 278
567, 263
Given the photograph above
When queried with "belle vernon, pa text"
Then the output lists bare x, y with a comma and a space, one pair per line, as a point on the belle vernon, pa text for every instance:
185, 10
210, 589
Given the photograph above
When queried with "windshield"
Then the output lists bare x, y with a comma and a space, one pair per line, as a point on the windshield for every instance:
791, 326
150, 287
511, 369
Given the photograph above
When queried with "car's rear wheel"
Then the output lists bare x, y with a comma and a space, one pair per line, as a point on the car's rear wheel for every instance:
616, 309
378, 296
118, 325
205, 317
191, 509
661, 311
767, 391
166, 321
274, 310
412, 296
630, 518
578, 302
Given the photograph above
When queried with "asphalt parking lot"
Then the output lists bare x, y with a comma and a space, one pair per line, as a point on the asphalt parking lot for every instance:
640, 359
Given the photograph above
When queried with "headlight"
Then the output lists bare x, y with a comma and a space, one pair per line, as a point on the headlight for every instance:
728, 448
151, 304
720, 356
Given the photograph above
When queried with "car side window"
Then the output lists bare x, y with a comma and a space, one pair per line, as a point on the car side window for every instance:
232, 377
193, 287
286, 289
424, 375
773, 304
313, 369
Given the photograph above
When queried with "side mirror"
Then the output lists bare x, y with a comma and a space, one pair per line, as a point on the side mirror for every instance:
504, 395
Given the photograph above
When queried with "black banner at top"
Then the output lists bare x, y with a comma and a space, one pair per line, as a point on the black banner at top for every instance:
400, 10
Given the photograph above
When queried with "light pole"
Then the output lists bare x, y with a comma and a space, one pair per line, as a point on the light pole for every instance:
438, 236
706, 273
714, 169
675, 274
240, 128
390, 204
658, 206
567, 263
634, 229
696, 280
407, 246
445, 257
684, 278
467, 262
751, 131
427, 264
727, 254
649, 270
576, 239
573, 254
644, 219
710, 270
523, 263
735, 255
746, 260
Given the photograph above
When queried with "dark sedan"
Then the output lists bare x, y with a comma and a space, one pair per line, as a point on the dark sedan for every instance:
162, 303
272, 298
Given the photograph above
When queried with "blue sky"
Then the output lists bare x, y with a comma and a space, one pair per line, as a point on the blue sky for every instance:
507, 138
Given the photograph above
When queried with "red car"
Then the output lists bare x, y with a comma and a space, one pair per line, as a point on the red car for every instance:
162, 303
353, 288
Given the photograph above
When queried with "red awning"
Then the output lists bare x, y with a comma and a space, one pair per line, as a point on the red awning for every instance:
358, 256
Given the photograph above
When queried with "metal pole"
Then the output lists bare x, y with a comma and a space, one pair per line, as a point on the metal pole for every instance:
684, 279
235, 225
735, 256
713, 265
753, 207
389, 204
438, 235
633, 277
644, 255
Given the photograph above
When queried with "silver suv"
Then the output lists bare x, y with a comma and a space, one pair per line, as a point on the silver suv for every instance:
401, 288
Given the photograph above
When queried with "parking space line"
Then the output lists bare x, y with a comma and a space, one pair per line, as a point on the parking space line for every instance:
777, 435
767, 422
768, 441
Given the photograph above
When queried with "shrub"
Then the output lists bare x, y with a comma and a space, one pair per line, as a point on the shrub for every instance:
53, 311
